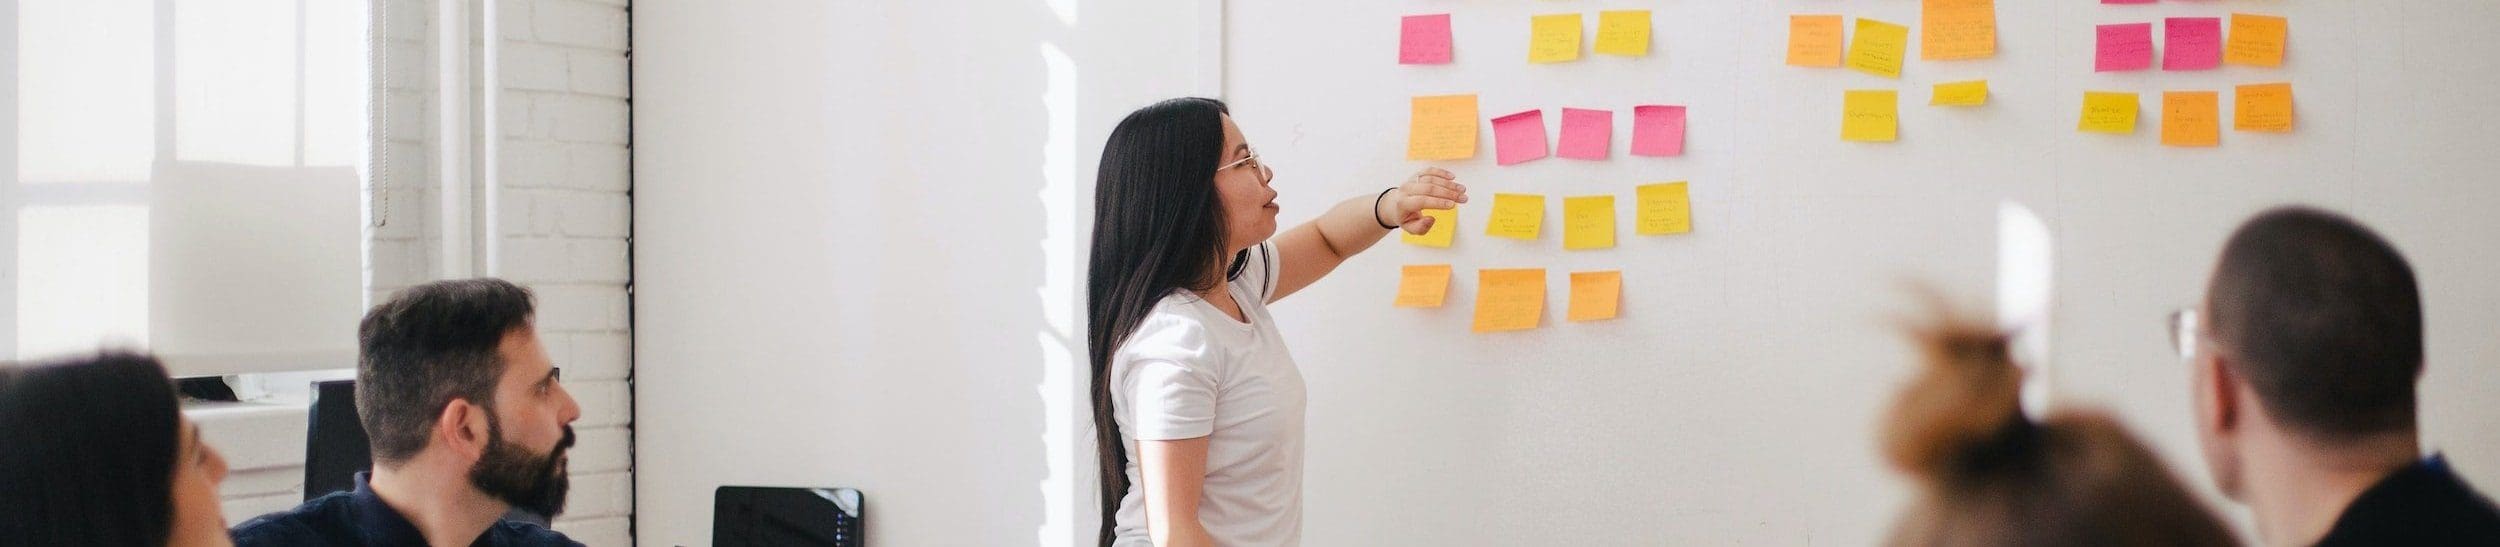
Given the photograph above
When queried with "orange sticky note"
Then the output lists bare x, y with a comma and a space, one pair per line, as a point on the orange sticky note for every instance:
1588, 222
1957, 29
2256, 40
2264, 107
2107, 112
1512, 299
1623, 32
1516, 216
1879, 47
1596, 295
1554, 38
1663, 208
1423, 285
1870, 115
1814, 40
2191, 118
1444, 229
1442, 127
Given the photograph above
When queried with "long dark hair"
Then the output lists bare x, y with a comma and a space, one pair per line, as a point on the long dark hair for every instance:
1158, 227
87, 452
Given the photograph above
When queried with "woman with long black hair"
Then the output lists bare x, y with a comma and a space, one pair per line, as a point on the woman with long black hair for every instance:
1197, 404
95, 451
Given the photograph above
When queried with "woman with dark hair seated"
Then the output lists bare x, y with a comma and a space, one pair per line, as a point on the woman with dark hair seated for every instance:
95, 451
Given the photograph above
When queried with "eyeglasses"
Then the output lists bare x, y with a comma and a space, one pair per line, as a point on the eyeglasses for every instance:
1250, 161
2183, 332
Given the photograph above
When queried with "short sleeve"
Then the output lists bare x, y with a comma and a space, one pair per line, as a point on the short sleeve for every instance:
1169, 402
1259, 271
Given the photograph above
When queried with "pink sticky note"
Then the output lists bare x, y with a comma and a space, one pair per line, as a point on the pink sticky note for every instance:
2124, 47
1586, 134
2126, 1
1424, 39
2191, 43
1658, 130
1519, 137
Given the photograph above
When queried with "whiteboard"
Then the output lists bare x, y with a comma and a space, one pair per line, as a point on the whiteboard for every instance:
1735, 400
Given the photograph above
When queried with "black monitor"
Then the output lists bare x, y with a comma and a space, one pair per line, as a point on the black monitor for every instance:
335, 449
798, 517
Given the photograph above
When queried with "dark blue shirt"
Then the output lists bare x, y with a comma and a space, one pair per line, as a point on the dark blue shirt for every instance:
360, 518
2424, 504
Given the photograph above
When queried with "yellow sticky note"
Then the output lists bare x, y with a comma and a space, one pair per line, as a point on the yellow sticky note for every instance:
1957, 29
1664, 208
1596, 295
1588, 222
1509, 299
1423, 285
2191, 118
1814, 40
1623, 32
2264, 107
1870, 115
2107, 112
1442, 127
1444, 228
1516, 216
2256, 40
1878, 48
1554, 38
1970, 93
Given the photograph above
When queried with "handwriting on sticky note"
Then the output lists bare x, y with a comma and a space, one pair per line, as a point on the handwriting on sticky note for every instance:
2264, 108
2191, 43
1658, 130
1957, 29
1554, 38
1623, 32
1442, 127
1516, 216
1444, 229
1509, 299
1588, 222
2108, 112
2256, 40
1970, 93
1424, 39
1870, 115
1586, 134
1423, 285
2124, 47
2191, 118
1663, 208
1814, 40
1596, 295
1519, 137
1878, 48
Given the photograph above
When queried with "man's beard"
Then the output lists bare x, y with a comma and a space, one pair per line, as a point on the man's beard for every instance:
531, 482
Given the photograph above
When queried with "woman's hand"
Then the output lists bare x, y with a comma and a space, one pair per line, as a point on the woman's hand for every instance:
1430, 188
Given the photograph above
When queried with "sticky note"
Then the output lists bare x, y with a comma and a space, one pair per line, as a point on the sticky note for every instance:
2256, 40
1814, 40
1970, 93
1554, 38
1424, 39
1588, 222
2191, 118
1663, 208
1623, 32
1423, 285
1442, 127
1878, 48
1870, 115
1509, 299
2107, 112
1516, 216
2124, 47
1596, 295
1586, 134
1658, 130
1444, 228
1957, 29
2264, 107
1519, 137
2191, 43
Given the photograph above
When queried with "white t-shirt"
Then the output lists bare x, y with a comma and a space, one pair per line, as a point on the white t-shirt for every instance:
1192, 371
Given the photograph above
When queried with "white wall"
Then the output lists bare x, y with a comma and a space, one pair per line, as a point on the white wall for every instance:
857, 248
